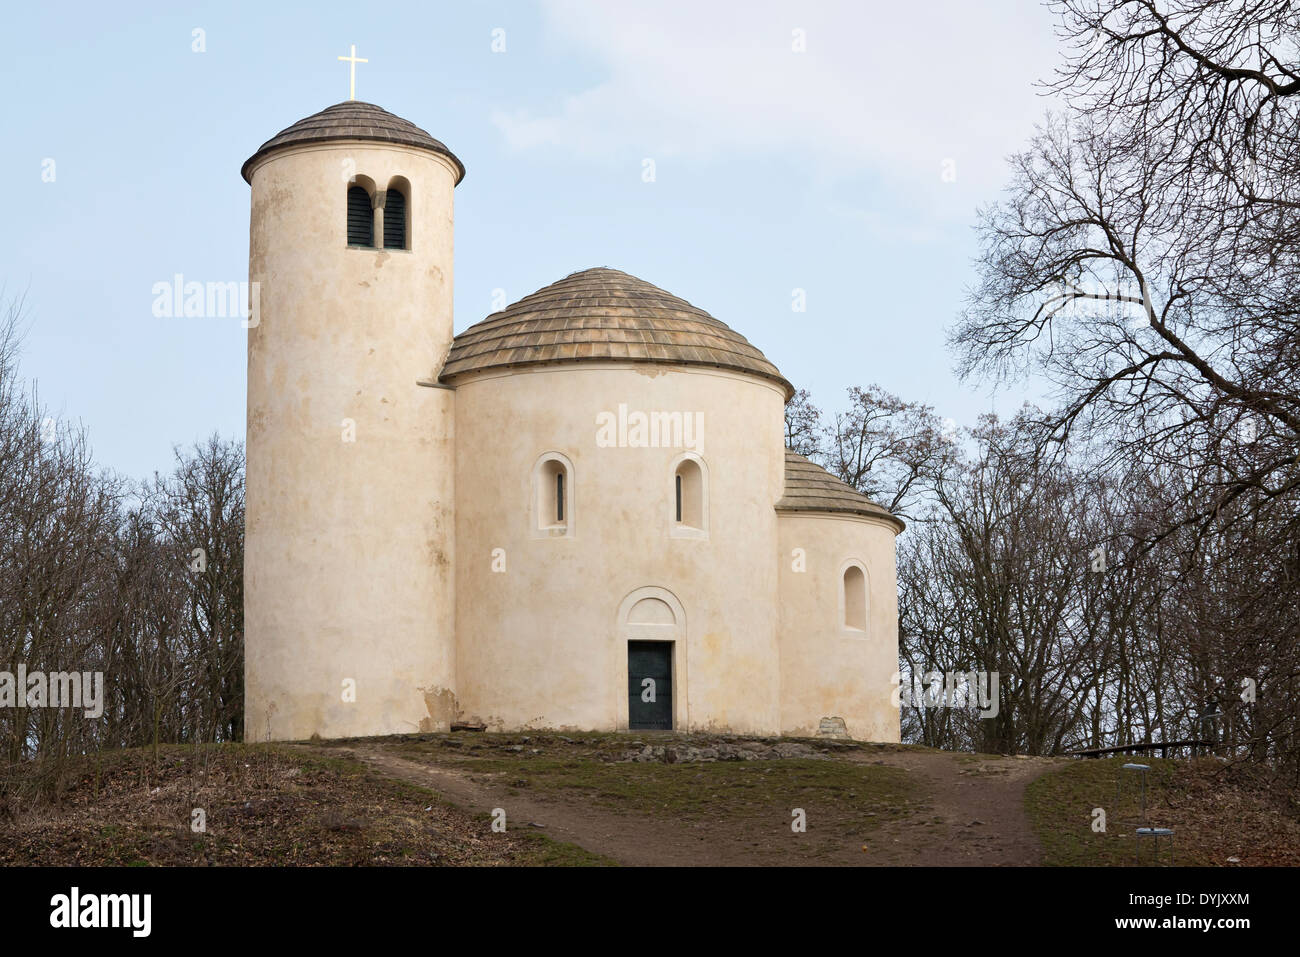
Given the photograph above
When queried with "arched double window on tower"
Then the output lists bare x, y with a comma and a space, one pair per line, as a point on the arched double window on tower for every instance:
379, 217
853, 598
690, 497
553, 497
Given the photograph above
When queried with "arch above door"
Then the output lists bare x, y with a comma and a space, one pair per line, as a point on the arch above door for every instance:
652, 608
651, 629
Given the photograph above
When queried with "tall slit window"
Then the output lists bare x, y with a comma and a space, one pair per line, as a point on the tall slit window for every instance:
552, 496
690, 499
854, 596
395, 236
361, 218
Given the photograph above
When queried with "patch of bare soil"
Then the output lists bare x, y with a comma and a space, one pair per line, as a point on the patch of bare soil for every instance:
976, 815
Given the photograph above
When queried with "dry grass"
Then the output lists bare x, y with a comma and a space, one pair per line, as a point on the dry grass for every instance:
1216, 813
264, 805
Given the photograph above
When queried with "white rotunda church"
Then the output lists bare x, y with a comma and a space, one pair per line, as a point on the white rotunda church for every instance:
577, 514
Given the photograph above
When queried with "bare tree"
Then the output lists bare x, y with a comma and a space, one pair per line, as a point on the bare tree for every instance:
1146, 261
200, 507
141, 584
804, 430
1146, 258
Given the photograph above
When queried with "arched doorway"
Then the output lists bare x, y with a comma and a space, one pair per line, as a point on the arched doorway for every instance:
651, 623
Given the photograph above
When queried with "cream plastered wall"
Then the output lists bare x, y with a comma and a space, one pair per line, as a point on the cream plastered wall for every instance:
540, 642
828, 670
349, 549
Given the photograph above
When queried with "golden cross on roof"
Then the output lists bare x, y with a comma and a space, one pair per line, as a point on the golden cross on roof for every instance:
352, 80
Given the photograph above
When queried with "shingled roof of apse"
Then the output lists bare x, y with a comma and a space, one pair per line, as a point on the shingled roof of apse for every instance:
353, 120
604, 315
810, 488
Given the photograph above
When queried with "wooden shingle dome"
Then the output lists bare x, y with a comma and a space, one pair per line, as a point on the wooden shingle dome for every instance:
604, 315
352, 120
810, 488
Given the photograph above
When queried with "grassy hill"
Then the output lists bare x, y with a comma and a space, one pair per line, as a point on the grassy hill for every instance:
654, 798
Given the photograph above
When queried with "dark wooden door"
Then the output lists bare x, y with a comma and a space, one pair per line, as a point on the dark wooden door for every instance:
650, 685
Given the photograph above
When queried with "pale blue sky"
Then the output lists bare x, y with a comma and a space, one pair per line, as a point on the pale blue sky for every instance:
775, 170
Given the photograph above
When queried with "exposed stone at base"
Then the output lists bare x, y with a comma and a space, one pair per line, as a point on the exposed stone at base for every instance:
742, 751
833, 728
441, 705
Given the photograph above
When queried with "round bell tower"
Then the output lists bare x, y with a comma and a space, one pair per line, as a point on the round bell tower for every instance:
349, 606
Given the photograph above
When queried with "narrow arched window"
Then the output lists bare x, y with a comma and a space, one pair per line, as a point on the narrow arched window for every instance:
854, 597
690, 498
552, 496
361, 218
395, 219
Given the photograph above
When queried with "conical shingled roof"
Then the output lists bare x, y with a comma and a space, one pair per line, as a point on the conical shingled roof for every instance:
352, 120
810, 488
604, 315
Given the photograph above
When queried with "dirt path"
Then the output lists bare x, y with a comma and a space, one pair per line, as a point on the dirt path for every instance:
973, 816
976, 815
